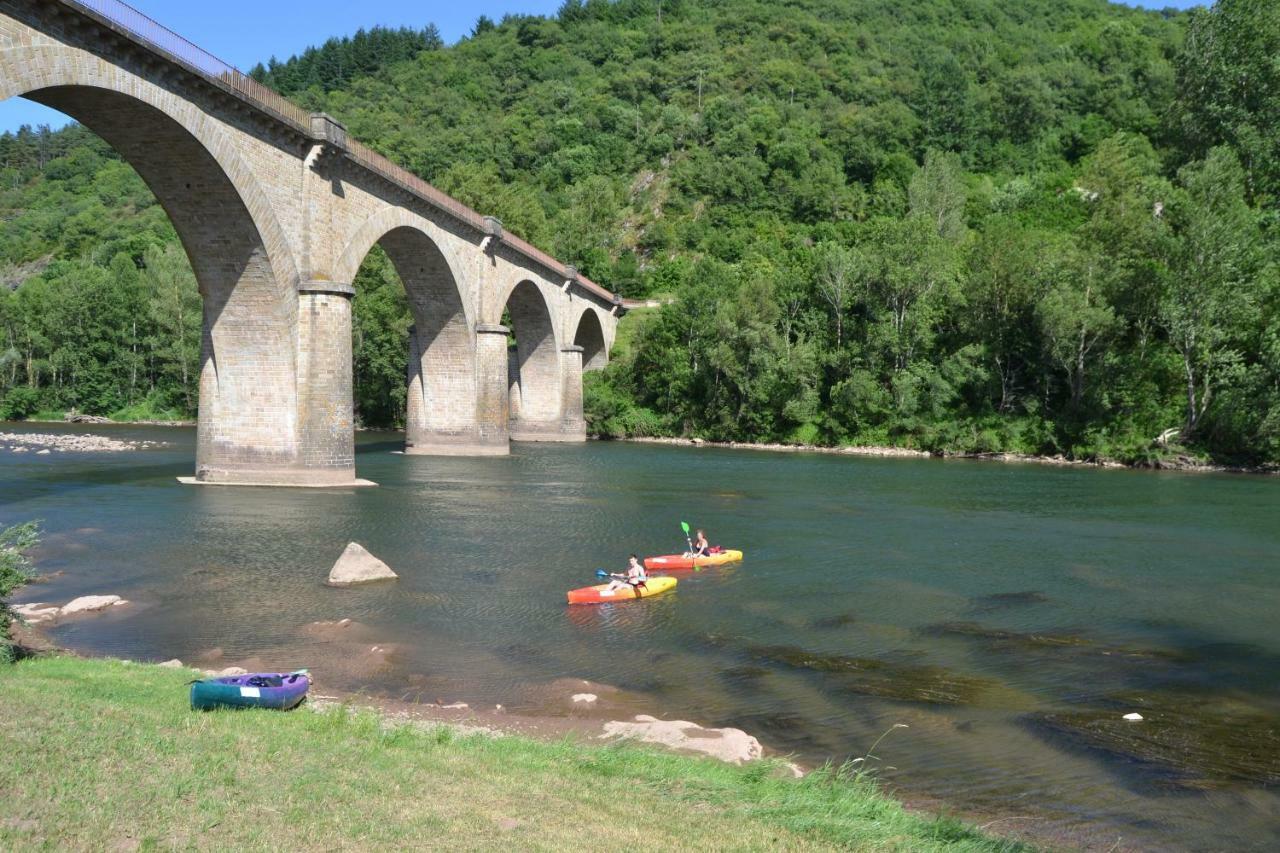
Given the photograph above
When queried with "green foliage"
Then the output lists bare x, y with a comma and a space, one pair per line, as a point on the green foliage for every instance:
15, 570
1045, 226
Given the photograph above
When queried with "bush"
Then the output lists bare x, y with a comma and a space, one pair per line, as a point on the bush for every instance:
15, 570
19, 403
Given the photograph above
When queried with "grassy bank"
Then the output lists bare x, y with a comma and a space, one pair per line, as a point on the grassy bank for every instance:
100, 753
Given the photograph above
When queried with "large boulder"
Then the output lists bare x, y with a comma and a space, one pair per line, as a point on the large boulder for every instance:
356, 565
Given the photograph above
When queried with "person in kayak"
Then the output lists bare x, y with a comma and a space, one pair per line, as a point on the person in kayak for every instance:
634, 577
701, 547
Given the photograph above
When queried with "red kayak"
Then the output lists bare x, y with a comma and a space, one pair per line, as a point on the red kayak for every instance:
680, 561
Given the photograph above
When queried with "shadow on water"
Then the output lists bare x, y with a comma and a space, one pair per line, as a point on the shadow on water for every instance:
371, 446
65, 480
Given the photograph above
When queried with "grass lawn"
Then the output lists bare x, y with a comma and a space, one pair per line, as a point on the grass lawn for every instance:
99, 754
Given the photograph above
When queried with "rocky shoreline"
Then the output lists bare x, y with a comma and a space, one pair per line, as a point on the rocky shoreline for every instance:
45, 443
566, 707
1178, 463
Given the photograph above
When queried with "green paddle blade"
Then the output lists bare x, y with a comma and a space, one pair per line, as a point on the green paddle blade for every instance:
684, 525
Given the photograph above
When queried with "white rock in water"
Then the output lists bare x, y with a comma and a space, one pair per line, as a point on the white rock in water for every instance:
91, 604
36, 612
732, 745
171, 664
356, 565
44, 452
589, 698
1133, 717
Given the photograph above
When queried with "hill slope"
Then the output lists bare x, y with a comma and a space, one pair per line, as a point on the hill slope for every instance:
957, 223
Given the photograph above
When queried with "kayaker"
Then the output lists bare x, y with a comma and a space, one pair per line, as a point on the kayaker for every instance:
701, 547
634, 577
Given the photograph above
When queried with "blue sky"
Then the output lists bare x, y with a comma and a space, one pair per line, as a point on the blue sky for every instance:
244, 32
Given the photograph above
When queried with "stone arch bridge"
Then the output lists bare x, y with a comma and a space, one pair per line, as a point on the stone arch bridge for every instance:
277, 209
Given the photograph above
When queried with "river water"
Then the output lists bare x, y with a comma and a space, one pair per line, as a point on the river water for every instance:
1008, 614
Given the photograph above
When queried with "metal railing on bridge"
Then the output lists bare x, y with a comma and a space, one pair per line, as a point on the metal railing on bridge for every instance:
164, 40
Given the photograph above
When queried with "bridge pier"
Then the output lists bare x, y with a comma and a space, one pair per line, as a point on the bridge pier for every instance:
492, 392
325, 438
573, 427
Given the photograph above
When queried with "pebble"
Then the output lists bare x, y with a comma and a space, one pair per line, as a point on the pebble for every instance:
1133, 717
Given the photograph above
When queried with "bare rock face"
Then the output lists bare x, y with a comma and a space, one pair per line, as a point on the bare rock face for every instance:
356, 566
90, 604
732, 745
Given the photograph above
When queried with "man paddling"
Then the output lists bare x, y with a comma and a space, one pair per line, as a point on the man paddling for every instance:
634, 577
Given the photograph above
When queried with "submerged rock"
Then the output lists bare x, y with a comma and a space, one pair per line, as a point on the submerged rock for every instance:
842, 620
998, 638
356, 565
732, 745
1002, 600
873, 677
1190, 741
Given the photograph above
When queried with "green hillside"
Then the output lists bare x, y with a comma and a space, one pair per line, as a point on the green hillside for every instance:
975, 225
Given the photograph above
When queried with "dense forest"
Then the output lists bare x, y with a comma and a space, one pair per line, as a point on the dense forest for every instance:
1047, 226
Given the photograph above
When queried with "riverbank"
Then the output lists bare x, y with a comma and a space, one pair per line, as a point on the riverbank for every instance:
72, 728
1173, 463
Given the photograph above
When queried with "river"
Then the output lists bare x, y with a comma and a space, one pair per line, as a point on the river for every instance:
1008, 614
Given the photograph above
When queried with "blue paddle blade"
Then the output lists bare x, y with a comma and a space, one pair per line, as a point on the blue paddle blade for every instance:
601, 573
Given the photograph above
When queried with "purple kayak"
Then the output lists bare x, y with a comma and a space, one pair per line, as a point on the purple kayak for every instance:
278, 690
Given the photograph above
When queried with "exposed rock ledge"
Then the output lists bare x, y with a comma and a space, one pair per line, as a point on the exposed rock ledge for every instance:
732, 745
38, 613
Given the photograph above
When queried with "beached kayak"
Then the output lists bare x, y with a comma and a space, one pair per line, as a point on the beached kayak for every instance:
278, 690
601, 594
680, 561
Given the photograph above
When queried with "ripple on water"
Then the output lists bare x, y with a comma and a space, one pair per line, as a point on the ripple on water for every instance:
1003, 613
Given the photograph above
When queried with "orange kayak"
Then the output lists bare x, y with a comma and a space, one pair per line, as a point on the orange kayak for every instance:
601, 594
680, 561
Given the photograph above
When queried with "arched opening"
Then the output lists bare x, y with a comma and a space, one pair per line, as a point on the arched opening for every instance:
247, 399
533, 368
590, 336
438, 407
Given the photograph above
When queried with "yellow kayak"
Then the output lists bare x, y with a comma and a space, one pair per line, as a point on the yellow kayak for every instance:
680, 561
601, 594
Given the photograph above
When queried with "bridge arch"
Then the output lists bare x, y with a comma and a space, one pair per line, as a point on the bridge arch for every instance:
440, 403
248, 405
533, 368
590, 336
